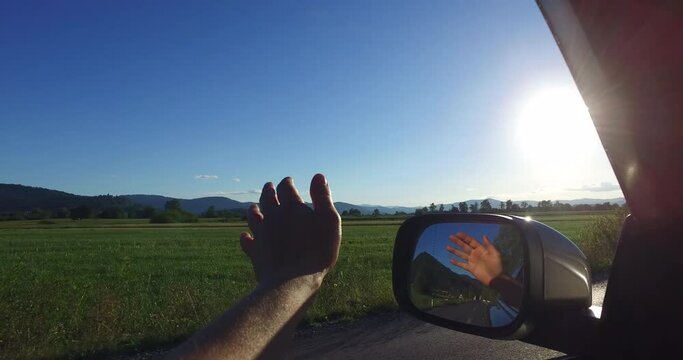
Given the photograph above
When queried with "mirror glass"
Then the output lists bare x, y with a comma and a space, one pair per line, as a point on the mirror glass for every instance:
471, 273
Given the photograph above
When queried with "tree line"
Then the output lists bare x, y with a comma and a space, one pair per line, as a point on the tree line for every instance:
485, 206
83, 212
171, 213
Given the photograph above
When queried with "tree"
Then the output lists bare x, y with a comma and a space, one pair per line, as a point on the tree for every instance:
525, 205
81, 212
462, 206
345, 213
441, 209
432, 208
354, 212
61, 213
37, 214
502, 206
375, 212
112, 212
508, 205
210, 212
557, 206
545, 205
511, 248
172, 205
453, 209
486, 206
173, 214
147, 212
474, 207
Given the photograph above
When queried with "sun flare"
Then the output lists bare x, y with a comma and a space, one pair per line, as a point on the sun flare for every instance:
554, 126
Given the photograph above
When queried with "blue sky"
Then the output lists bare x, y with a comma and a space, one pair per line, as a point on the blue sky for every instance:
398, 103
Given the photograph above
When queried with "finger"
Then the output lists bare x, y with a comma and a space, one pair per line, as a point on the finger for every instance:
487, 243
287, 193
321, 194
490, 247
457, 241
469, 240
460, 264
247, 243
254, 218
268, 200
460, 243
458, 253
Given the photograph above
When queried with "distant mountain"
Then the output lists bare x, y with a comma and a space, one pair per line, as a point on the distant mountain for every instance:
14, 197
368, 209
195, 206
155, 201
619, 200
22, 198
219, 203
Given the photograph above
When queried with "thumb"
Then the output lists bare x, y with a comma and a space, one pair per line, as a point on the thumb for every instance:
321, 194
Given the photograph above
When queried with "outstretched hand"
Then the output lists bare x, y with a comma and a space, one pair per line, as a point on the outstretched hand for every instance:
289, 239
483, 260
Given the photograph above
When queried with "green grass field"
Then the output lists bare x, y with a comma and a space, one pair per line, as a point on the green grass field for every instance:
72, 289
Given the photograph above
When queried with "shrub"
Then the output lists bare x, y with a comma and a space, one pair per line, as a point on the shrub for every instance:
173, 216
599, 239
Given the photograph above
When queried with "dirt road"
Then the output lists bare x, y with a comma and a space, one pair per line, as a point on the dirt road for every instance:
398, 336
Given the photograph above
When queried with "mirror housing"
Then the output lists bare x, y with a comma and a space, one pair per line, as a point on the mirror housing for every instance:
556, 273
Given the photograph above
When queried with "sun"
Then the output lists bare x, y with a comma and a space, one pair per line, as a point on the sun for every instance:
555, 128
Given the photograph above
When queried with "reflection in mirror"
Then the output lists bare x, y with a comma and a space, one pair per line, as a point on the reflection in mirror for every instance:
472, 273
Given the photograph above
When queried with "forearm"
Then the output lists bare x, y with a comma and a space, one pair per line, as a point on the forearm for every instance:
510, 289
259, 326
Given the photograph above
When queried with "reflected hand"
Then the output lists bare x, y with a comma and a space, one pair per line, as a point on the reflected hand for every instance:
289, 239
483, 261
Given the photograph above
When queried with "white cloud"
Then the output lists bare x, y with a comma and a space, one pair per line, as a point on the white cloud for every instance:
236, 179
206, 177
236, 193
604, 186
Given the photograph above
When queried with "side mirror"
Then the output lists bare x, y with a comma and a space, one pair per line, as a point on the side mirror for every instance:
485, 274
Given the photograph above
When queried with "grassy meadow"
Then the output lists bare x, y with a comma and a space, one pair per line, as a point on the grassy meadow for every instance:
92, 288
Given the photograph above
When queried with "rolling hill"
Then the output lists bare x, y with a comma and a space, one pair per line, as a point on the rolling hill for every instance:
20, 198
195, 206
15, 197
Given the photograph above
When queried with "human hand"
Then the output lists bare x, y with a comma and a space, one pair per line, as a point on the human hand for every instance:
289, 239
481, 260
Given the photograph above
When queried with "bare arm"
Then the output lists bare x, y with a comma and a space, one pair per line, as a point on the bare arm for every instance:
292, 249
510, 289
